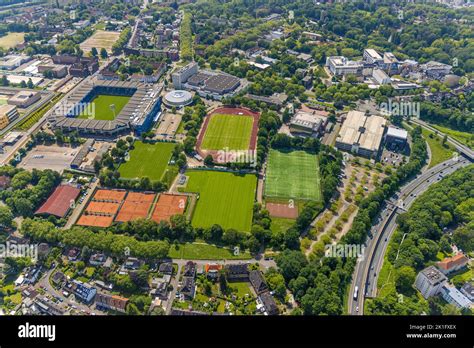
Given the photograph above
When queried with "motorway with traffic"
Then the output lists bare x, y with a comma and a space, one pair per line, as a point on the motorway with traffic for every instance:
364, 283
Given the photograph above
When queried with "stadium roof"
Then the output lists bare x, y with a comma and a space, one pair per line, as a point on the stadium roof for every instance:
59, 202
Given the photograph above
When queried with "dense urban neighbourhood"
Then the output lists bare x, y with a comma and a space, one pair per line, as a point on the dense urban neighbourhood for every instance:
236, 158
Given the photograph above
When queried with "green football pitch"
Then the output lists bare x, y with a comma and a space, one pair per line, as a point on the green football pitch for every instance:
292, 175
224, 198
102, 110
231, 131
149, 160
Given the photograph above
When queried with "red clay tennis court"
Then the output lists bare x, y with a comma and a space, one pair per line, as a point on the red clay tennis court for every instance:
95, 220
136, 206
282, 210
109, 195
103, 208
168, 205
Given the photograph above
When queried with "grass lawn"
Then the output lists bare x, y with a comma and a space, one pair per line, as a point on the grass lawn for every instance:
463, 137
231, 131
149, 160
439, 153
462, 276
224, 198
203, 251
292, 174
281, 224
102, 107
241, 288
11, 40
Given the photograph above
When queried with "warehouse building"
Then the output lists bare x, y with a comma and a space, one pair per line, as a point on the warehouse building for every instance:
24, 99
396, 136
361, 134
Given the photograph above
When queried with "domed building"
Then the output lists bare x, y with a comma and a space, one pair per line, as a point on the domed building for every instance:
178, 98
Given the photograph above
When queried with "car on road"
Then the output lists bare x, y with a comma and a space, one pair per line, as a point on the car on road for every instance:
357, 309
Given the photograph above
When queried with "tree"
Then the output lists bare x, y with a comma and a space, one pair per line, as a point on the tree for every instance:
5, 81
209, 161
290, 263
94, 52
6, 217
405, 278
30, 84
103, 53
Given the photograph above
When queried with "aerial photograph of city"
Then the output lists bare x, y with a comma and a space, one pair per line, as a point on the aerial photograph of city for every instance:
248, 161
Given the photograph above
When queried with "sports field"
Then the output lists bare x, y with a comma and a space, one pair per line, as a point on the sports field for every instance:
149, 160
224, 198
231, 131
102, 109
11, 40
292, 175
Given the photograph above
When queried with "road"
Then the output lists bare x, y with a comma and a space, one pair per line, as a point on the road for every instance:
80, 207
367, 269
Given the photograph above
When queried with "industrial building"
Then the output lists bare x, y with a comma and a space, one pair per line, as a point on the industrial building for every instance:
309, 123
24, 99
8, 113
11, 62
396, 136
208, 84
341, 66
361, 134
137, 115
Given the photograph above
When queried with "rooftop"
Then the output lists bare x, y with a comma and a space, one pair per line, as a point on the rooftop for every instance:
59, 203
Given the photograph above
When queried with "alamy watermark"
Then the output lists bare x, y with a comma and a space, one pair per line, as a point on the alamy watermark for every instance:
345, 251
400, 108
237, 156
14, 250
75, 109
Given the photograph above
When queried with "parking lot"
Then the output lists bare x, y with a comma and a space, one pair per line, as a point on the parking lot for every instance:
52, 157
168, 126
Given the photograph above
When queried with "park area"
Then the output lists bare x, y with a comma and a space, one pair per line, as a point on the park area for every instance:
228, 131
102, 107
204, 251
11, 40
224, 198
100, 39
292, 175
150, 160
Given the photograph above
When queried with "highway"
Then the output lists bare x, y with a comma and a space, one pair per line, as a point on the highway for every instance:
367, 269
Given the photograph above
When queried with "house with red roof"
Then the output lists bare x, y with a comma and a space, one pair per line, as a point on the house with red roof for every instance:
60, 201
453, 264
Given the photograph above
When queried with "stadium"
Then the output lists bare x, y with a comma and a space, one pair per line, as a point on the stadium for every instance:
178, 98
108, 108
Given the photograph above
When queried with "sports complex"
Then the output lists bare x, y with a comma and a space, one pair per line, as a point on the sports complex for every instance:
223, 198
291, 176
108, 108
150, 160
109, 206
227, 130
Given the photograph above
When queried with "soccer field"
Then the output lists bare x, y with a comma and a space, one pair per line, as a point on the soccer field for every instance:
231, 131
149, 160
292, 175
102, 107
224, 198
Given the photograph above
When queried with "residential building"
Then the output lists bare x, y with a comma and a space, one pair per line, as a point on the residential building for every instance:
166, 268
468, 290
430, 281
111, 302
212, 270
237, 272
361, 134
455, 297
189, 269
83, 292
453, 264
269, 304
97, 259
188, 289
258, 282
